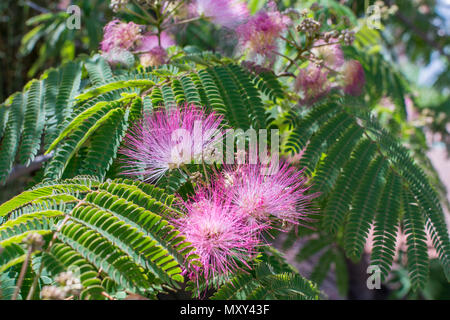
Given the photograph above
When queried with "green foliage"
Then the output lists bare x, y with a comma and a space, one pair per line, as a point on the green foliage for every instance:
360, 170
36, 114
51, 38
116, 230
268, 280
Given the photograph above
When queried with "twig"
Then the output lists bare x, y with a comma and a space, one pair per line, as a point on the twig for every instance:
41, 267
21, 170
22, 272
286, 57
107, 296
152, 19
421, 34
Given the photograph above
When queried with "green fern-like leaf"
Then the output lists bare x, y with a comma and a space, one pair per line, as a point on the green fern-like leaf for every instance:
417, 249
386, 225
364, 206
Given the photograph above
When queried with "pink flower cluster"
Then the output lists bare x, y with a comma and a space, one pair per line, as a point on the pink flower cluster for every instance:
121, 39
225, 219
154, 49
226, 13
353, 78
267, 195
329, 52
260, 33
166, 140
222, 238
313, 82
118, 34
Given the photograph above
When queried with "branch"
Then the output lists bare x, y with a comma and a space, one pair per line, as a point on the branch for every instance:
422, 34
21, 170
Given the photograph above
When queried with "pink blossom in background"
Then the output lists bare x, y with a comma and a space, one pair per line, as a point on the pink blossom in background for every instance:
118, 34
261, 32
226, 13
150, 41
263, 194
63, 4
154, 54
353, 78
153, 58
312, 82
165, 140
220, 235
331, 54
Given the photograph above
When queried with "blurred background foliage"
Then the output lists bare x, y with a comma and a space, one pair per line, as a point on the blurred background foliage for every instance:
413, 42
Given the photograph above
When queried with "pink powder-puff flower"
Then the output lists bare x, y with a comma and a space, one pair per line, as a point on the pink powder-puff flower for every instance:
312, 82
153, 49
353, 78
260, 33
226, 13
166, 140
153, 58
329, 52
266, 194
223, 240
150, 41
118, 34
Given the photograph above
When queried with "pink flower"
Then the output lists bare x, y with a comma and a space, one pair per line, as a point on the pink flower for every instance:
263, 194
261, 32
226, 13
313, 84
63, 4
150, 41
221, 236
154, 49
353, 78
165, 140
155, 57
331, 54
118, 34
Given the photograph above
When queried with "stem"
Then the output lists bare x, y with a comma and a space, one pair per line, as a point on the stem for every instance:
299, 54
286, 74
187, 21
292, 43
145, 11
325, 44
136, 14
180, 3
22, 272
186, 170
286, 57
41, 267
107, 296
204, 171
159, 22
